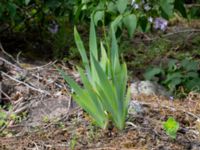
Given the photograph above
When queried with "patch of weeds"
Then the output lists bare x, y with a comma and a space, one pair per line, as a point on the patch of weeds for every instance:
196, 42
72, 56
178, 76
45, 119
92, 133
62, 39
61, 125
6, 117
141, 54
171, 127
73, 142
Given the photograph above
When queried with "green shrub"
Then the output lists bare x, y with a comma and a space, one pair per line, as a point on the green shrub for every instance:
104, 96
177, 74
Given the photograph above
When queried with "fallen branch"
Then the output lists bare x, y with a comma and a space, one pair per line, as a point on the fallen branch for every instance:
40, 67
2, 92
26, 84
2, 49
9, 63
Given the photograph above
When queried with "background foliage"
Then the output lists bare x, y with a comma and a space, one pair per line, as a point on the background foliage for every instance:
52, 21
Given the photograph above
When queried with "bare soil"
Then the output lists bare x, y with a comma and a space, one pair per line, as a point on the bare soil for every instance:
72, 129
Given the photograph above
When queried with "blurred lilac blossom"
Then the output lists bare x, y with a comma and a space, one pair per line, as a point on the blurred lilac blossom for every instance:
147, 7
134, 4
171, 98
150, 19
160, 23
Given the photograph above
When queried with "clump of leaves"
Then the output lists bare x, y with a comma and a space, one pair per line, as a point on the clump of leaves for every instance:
104, 96
176, 75
171, 127
5, 118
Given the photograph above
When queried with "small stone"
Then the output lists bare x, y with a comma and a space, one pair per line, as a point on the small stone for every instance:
148, 88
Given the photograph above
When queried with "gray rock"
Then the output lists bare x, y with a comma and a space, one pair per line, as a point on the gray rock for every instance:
148, 88
47, 109
135, 108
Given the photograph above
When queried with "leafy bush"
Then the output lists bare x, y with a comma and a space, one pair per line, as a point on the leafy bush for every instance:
104, 96
177, 74
137, 13
22, 13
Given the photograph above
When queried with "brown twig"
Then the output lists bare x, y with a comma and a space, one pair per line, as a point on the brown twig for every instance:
41, 67
29, 86
9, 63
10, 56
1, 91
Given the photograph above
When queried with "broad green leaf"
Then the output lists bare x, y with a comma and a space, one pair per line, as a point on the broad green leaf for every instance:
190, 65
27, 2
173, 83
81, 49
105, 84
172, 76
93, 40
122, 5
193, 85
92, 92
111, 100
167, 6
98, 16
72, 83
152, 72
192, 75
179, 5
130, 22
12, 9
172, 65
99, 12
86, 100
114, 46
143, 22
104, 58
85, 1
120, 82
78, 13
112, 8
115, 23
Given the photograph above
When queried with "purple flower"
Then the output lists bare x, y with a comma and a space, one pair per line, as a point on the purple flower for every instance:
161, 24
171, 98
